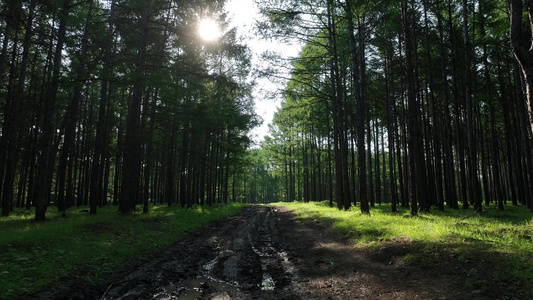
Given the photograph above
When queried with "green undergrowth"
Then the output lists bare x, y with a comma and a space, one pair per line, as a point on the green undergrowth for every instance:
490, 253
88, 247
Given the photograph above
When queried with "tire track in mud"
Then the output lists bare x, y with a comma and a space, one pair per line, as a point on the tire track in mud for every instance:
234, 259
253, 258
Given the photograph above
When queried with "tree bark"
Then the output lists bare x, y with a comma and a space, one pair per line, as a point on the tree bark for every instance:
41, 196
474, 185
336, 108
71, 118
361, 109
448, 159
101, 132
418, 185
522, 46
132, 140
11, 119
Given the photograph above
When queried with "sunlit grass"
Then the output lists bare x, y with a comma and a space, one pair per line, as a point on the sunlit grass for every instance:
511, 228
503, 238
85, 246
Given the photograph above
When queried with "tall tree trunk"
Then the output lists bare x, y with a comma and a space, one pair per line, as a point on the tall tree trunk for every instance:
522, 46
448, 159
523, 53
377, 170
132, 140
149, 154
336, 108
418, 185
118, 165
101, 132
330, 173
184, 161
41, 196
169, 180
474, 187
71, 117
361, 114
11, 120
391, 131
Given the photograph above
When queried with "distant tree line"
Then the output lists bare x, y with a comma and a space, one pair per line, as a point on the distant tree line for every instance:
119, 102
415, 103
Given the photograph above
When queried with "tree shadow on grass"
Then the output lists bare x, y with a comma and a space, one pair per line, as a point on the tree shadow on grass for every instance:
404, 269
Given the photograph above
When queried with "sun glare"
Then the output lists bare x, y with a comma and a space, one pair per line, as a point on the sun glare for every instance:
209, 30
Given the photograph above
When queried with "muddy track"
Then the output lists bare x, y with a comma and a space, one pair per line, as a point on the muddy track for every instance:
227, 260
266, 253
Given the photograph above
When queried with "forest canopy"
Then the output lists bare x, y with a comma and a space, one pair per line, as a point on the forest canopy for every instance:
414, 103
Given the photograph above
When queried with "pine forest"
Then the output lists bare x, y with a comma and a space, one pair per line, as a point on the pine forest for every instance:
398, 163
412, 103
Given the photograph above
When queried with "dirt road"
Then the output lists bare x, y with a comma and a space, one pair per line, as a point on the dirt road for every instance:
266, 253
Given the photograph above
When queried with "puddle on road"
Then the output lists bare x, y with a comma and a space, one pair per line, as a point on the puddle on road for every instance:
208, 267
268, 282
191, 289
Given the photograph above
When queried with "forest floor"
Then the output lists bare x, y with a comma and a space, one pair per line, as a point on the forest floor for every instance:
265, 252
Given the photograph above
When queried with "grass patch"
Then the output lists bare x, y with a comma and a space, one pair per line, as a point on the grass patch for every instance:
491, 252
85, 246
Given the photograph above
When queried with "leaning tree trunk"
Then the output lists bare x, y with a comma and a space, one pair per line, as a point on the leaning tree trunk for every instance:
522, 47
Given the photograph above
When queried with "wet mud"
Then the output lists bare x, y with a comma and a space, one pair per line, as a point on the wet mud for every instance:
266, 253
